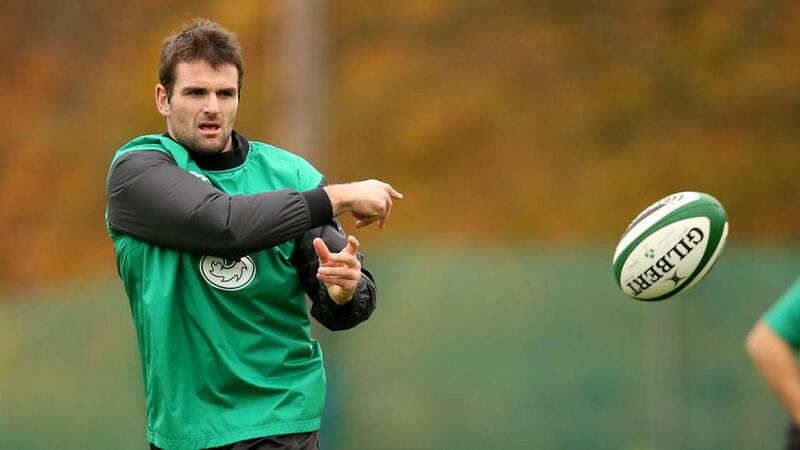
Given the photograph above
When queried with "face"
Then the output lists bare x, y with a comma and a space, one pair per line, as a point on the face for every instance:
202, 109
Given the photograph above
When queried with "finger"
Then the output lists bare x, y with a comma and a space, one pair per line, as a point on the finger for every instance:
361, 223
352, 245
330, 263
342, 258
352, 265
344, 283
335, 279
322, 251
345, 273
372, 216
392, 192
382, 222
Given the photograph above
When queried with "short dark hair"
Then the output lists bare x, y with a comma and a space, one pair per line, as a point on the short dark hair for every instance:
202, 40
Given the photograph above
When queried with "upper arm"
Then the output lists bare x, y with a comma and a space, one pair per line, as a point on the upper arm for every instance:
152, 199
149, 195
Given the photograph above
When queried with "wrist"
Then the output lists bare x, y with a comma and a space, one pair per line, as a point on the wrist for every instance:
336, 296
343, 301
337, 195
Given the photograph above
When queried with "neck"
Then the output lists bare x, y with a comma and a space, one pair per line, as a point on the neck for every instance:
229, 145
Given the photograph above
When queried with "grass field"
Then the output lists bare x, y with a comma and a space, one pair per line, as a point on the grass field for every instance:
526, 348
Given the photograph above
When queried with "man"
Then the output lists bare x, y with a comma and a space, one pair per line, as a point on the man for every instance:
772, 344
218, 240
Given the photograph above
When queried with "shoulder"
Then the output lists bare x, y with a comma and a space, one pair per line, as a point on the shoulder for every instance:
284, 160
146, 142
131, 166
138, 154
141, 159
277, 154
151, 142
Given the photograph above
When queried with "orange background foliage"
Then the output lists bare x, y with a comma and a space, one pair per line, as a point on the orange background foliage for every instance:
509, 121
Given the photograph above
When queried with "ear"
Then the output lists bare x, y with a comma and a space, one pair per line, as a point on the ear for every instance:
162, 100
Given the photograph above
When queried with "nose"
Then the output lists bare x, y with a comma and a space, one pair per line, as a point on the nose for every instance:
211, 105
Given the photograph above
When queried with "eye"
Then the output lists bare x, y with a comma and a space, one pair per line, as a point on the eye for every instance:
226, 93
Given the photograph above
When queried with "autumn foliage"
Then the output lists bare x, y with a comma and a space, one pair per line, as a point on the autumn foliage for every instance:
508, 121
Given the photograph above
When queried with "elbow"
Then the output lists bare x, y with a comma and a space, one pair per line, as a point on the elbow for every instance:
235, 244
339, 326
347, 323
342, 322
762, 340
242, 241
228, 245
237, 241
342, 317
752, 343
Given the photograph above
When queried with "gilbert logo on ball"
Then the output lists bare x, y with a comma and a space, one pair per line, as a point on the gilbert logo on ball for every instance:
670, 246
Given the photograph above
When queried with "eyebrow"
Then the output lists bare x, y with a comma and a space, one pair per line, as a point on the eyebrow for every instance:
228, 90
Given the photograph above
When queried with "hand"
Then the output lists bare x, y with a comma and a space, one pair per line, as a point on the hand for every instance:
341, 271
369, 201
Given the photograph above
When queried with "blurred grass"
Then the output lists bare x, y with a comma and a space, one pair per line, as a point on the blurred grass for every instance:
512, 348
69, 371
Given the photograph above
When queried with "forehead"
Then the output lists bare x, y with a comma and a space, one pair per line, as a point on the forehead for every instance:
200, 73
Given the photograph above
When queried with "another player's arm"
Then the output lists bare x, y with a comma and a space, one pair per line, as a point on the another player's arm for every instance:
775, 360
152, 199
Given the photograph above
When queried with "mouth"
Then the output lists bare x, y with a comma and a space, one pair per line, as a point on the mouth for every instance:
209, 129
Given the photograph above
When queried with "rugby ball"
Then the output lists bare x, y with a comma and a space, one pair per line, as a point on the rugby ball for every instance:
670, 246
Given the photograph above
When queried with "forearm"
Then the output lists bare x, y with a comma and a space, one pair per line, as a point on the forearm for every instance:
327, 312
775, 361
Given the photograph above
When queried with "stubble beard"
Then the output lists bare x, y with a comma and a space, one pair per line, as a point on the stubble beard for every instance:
205, 147
191, 140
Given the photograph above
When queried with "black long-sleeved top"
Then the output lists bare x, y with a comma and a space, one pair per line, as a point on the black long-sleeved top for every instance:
150, 198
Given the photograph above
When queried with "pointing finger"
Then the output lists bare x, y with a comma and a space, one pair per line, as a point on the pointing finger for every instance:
394, 193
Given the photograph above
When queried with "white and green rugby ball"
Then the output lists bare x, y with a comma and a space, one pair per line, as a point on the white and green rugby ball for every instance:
670, 246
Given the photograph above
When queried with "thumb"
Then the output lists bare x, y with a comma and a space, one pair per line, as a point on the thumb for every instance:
321, 250
352, 245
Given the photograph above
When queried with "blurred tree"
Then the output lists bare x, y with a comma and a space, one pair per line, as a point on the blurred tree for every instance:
552, 121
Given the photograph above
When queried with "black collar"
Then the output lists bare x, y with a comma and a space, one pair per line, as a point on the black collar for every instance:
235, 157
